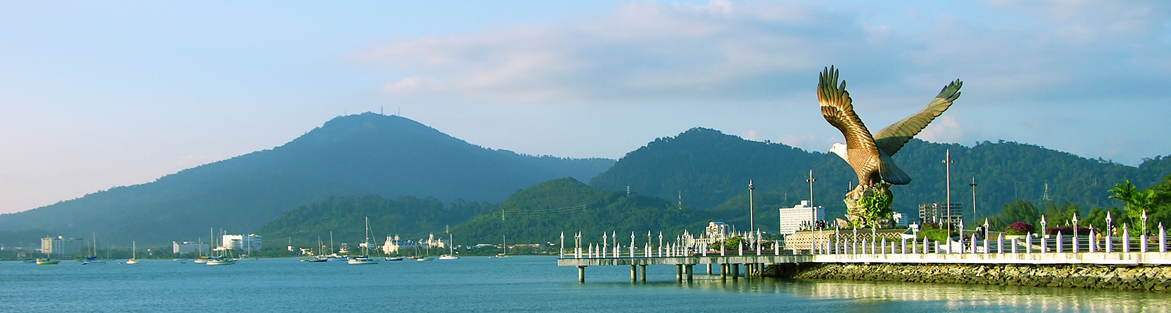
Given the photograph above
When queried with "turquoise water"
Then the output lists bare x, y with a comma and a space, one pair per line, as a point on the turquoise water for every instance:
511, 284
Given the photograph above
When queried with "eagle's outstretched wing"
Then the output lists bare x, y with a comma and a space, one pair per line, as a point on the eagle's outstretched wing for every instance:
893, 137
838, 110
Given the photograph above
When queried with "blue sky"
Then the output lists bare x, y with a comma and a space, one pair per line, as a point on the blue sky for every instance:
101, 94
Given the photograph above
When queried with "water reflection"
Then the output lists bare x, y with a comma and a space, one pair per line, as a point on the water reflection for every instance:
880, 295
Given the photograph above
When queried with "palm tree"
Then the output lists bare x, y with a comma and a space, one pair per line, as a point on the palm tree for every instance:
1135, 202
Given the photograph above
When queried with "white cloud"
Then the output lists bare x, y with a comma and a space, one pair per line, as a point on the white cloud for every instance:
763, 51
748, 134
943, 129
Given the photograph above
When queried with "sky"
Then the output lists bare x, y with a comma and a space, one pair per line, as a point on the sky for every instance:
95, 95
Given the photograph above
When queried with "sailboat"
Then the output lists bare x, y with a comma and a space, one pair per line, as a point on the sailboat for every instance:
199, 253
224, 257
451, 250
133, 253
93, 258
505, 254
320, 257
365, 257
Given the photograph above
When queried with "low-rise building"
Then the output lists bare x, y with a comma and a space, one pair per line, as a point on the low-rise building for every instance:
188, 247
716, 231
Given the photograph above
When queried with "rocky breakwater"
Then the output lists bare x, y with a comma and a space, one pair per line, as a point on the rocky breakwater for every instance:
1155, 278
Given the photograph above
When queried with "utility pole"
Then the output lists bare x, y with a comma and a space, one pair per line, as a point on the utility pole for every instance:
947, 162
973, 198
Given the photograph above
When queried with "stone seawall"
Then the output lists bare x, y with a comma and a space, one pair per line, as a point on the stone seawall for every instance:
1156, 278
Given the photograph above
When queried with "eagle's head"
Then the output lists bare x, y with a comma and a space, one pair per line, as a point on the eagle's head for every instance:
840, 150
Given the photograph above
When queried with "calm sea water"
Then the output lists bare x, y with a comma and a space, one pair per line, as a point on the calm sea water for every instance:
511, 284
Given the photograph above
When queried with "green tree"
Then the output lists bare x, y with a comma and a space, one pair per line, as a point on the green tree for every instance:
1135, 202
1019, 211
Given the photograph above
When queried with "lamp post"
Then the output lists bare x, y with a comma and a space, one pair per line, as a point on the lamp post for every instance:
751, 216
1043, 225
814, 212
947, 163
1144, 218
973, 184
1109, 226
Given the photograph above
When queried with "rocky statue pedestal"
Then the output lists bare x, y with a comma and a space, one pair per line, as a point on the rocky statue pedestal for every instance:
877, 196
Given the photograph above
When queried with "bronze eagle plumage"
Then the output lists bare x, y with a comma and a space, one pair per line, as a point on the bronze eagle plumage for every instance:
870, 155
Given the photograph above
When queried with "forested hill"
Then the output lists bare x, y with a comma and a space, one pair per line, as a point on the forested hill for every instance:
365, 154
541, 212
708, 168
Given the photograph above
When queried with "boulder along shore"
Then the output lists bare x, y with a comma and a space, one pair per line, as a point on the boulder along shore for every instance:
1126, 277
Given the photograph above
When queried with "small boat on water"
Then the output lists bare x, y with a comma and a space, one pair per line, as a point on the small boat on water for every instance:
394, 258
424, 259
133, 253
47, 261
224, 257
93, 257
365, 257
199, 261
450, 248
220, 261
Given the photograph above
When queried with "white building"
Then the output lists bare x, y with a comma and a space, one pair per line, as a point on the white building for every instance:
52, 245
250, 242
432, 242
188, 247
716, 231
799, 216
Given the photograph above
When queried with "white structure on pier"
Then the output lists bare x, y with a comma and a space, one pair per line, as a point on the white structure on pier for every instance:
793, 218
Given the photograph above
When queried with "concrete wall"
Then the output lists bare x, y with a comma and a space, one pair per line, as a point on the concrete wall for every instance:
1130, 277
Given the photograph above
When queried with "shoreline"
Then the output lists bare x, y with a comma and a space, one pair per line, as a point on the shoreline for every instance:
1090, 276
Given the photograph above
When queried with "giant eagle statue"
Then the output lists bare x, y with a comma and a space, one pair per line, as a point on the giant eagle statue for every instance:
870, 155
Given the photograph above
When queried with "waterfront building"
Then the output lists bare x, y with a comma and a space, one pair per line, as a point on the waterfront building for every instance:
188, 247
249, 242
393, 245
432, 242
52, 245
716, 231
800, 216
937, 213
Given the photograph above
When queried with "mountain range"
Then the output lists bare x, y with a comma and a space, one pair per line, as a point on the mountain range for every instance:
672, 182
355, 155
